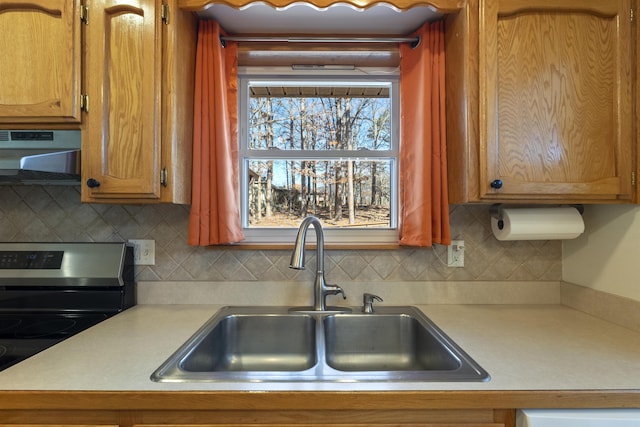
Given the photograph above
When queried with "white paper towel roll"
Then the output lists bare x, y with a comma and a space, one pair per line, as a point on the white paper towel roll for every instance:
538, 224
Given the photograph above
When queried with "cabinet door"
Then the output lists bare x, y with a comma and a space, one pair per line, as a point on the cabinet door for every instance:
57, 425
323, 425
40, 74
555, 99
178, 75
121, 140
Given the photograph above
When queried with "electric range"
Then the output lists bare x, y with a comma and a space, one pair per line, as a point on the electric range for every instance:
52, 291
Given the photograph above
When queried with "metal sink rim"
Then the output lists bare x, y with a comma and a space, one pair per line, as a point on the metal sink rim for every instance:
469, 370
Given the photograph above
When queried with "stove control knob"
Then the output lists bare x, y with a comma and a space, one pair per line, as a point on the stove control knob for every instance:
93, 183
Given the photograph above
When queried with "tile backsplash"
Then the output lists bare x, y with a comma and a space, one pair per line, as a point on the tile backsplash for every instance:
51, 213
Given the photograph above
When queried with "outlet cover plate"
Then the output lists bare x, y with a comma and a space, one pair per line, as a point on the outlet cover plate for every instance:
144, 251
455, 254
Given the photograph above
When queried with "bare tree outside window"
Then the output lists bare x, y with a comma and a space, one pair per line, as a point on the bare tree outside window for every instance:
319, 150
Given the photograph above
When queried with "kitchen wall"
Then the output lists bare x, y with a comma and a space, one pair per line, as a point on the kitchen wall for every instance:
607, 256
35, 213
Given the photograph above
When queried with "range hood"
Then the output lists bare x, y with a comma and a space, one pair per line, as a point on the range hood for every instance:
50, 157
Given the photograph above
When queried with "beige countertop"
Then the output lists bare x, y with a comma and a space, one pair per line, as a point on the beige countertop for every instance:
523, 347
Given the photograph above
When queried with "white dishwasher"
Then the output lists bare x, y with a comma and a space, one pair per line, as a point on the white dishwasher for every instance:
578, 418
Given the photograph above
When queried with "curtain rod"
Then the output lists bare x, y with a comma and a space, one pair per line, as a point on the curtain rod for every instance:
319, 39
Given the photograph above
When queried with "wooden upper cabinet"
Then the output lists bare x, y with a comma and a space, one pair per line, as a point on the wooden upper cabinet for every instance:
555, 109
121, 140
40, 73
139, 78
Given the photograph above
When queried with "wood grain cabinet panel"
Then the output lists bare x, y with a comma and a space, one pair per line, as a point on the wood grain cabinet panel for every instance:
121, 153
139, 82
185, 417
57, 425
263, 418
555, 100
326, 425
41, 65
345, 418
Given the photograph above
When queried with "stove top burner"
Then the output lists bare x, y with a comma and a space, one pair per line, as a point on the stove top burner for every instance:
54, 326
23, 335
42, 329
9, 323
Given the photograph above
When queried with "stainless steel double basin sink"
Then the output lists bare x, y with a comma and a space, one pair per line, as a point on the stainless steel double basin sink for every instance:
293, 344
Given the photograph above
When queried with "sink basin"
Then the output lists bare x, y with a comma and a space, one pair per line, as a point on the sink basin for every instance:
277, 344
384, 342
245, 342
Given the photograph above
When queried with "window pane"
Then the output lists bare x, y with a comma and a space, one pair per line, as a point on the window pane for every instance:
342, 193
282, 118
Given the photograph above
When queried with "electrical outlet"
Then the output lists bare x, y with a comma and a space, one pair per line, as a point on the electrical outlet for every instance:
455, 253
144, 251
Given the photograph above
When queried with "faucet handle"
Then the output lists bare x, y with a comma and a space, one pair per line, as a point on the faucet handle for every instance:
367, 302
335, 290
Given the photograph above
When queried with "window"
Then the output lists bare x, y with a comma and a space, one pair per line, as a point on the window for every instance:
323, 145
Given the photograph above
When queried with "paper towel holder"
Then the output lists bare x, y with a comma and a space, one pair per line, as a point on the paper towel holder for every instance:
495, 211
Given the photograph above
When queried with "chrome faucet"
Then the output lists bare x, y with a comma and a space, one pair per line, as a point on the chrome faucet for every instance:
320, 287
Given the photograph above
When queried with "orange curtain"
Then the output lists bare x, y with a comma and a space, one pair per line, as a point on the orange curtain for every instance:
215, 208
424, 204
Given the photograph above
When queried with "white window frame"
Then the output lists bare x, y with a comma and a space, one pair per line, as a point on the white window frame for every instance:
359, 76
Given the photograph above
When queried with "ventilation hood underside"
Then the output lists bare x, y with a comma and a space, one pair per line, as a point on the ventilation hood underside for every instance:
39, 157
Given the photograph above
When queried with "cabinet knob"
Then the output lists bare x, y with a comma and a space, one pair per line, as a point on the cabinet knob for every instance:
496, 183
93, 183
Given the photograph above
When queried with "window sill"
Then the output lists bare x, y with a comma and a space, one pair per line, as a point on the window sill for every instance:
329, 246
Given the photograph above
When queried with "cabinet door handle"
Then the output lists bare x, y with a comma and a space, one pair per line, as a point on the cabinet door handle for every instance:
93, 183
496, 183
